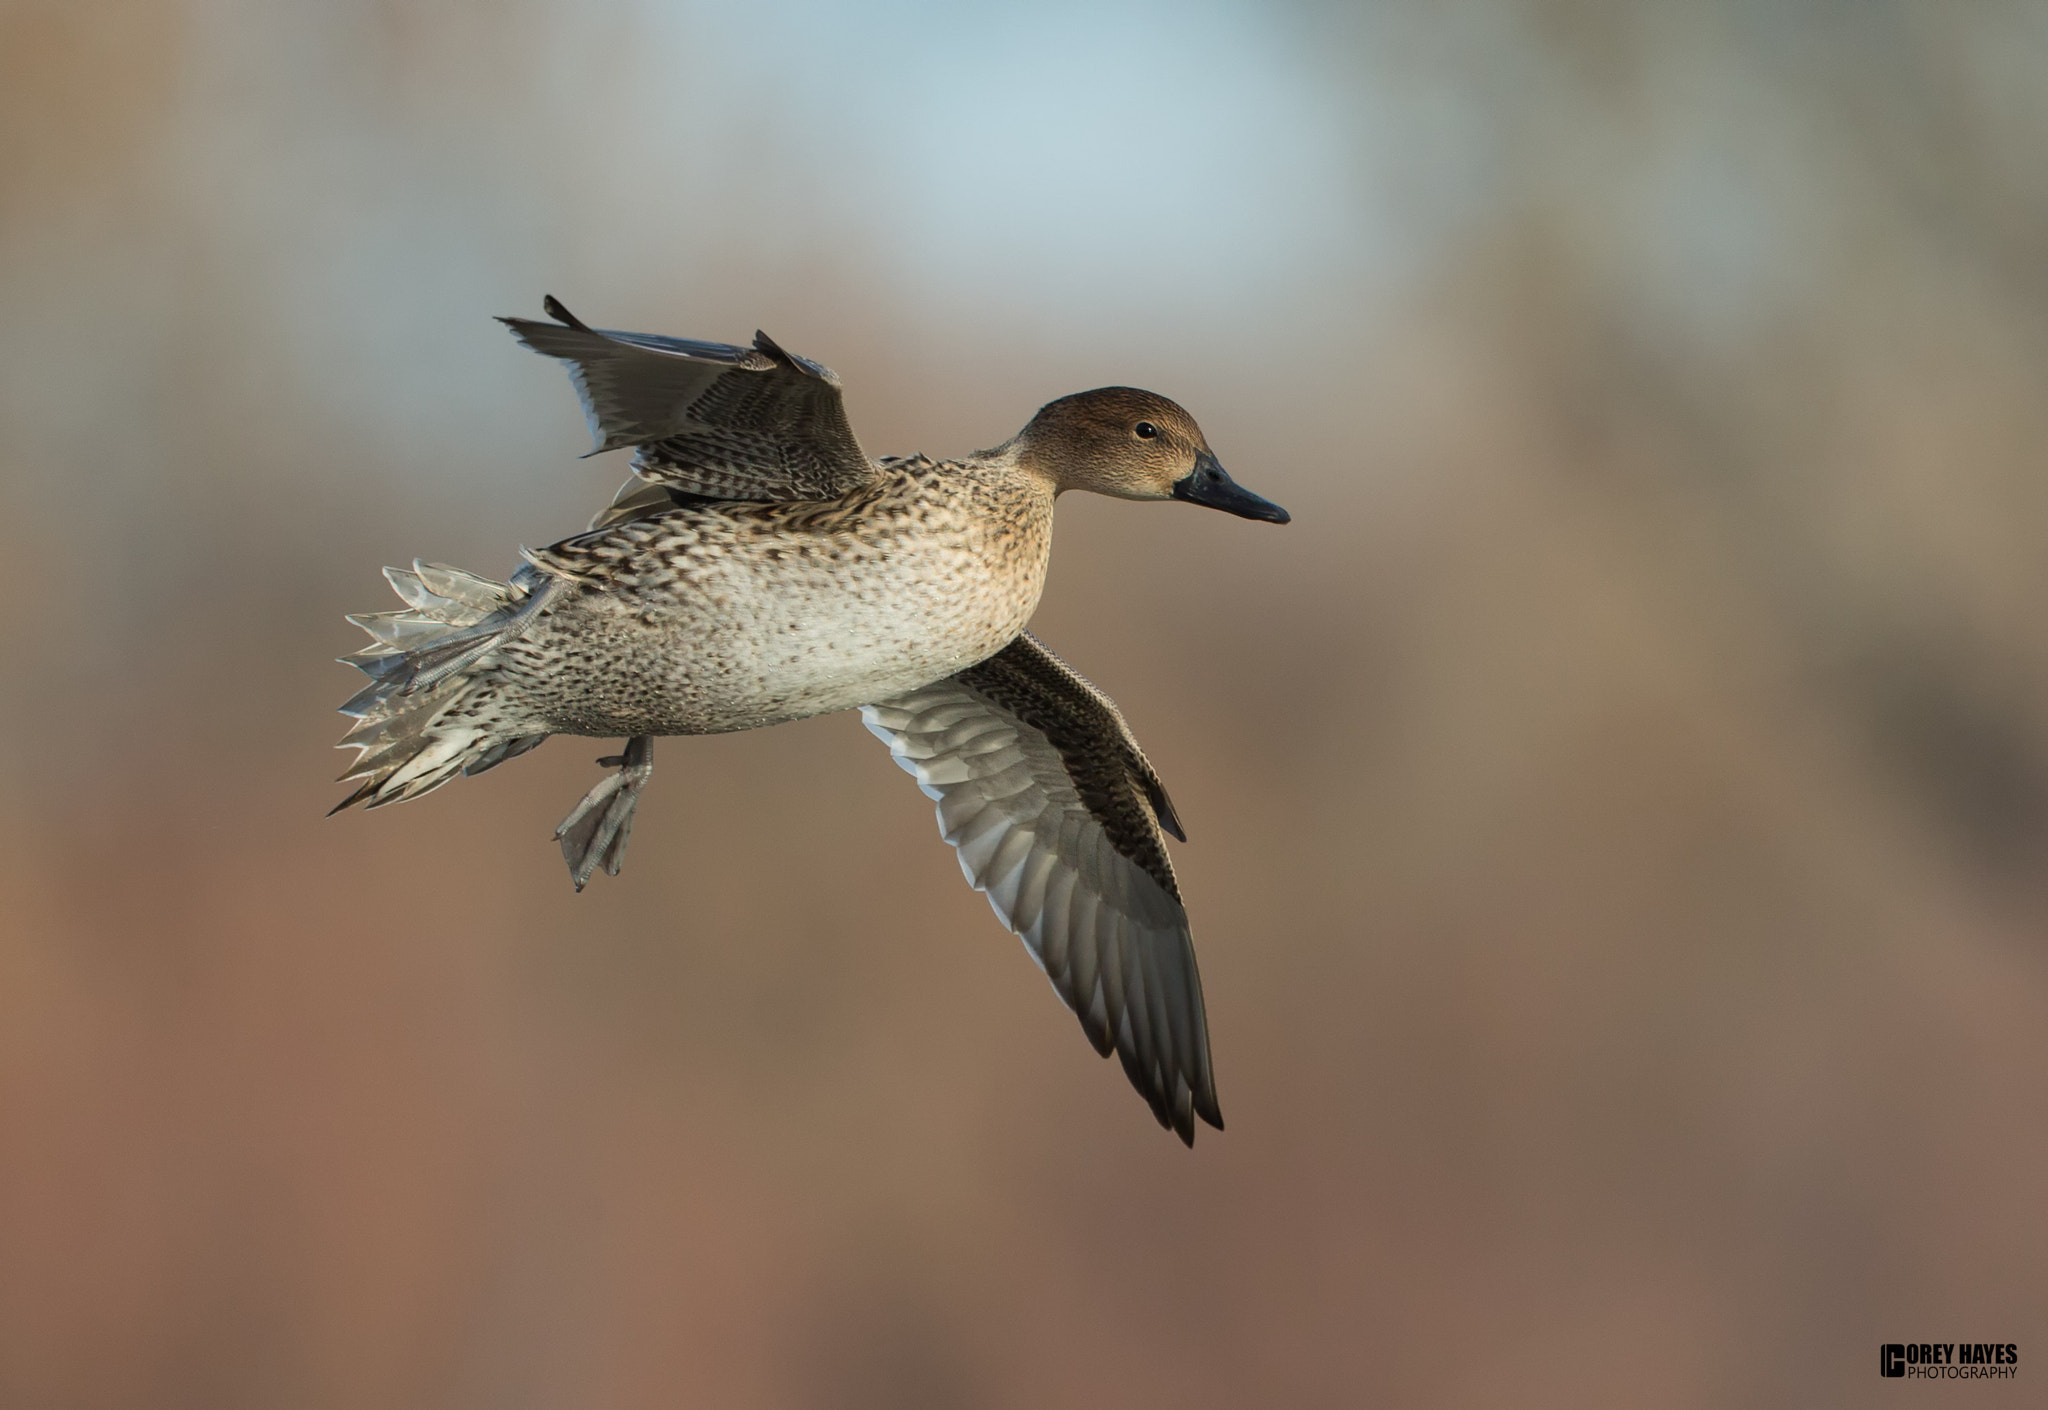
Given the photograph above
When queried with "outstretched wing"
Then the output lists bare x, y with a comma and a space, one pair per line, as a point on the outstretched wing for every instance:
711, 420
1057, 818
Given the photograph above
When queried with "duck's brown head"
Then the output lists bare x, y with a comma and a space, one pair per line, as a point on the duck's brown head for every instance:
1130, 444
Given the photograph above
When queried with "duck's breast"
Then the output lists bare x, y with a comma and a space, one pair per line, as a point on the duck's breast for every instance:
725, 623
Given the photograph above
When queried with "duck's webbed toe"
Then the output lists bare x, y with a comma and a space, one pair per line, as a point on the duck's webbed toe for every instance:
595, 832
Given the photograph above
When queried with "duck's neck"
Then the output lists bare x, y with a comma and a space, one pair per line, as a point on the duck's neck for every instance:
1006, 486
1005, 511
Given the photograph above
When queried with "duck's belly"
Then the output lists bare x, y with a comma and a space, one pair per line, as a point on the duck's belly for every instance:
748, 639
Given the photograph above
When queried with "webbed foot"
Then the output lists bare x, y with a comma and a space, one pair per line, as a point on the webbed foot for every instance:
595, 833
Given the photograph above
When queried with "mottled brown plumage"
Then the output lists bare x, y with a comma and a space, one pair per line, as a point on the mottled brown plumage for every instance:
759, 568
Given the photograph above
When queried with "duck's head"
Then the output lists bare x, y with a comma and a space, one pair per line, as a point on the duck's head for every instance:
1130, 444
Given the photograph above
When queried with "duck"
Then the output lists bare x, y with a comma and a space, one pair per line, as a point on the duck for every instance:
758, 567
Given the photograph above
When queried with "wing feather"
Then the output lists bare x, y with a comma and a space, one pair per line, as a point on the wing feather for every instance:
711, 420
1057, 817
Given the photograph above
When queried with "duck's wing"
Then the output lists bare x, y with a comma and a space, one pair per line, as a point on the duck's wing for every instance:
1057, 818
711, 420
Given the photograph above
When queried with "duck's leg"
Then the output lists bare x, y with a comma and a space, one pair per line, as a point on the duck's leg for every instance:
595, 832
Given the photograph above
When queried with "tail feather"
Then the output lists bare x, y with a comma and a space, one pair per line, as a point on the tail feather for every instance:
466, 591
501, 751
395, 632
415, 723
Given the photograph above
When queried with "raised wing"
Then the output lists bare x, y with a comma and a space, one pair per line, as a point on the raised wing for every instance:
1057, 818
711, 420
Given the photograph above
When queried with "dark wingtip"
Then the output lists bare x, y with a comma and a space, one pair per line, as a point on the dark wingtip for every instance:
770, 348
1162, 806
555, 310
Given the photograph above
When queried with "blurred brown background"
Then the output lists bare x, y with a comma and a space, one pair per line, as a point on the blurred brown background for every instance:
1619, 801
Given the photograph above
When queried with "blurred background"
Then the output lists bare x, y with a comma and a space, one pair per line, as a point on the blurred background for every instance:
1619, 802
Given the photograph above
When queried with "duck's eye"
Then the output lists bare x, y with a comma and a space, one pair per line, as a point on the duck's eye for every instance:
1145, 430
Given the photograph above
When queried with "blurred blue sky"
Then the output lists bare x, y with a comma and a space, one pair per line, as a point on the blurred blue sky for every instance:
365, 183
340, 195
1100, 159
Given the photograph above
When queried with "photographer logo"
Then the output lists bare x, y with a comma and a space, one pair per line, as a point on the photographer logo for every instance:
1949, 1360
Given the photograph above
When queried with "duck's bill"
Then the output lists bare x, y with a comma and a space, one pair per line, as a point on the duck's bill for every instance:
1208, 484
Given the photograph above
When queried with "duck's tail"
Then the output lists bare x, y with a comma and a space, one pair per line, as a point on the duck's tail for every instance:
427, 713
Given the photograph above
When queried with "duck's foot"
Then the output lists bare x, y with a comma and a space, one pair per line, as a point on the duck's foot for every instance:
595, 833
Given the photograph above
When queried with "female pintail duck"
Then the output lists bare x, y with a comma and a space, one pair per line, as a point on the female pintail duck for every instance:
758, 568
